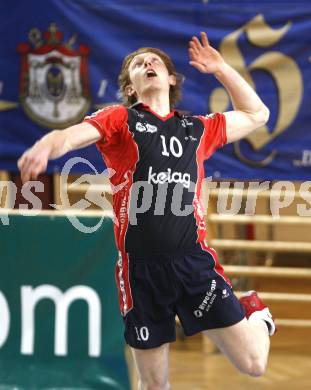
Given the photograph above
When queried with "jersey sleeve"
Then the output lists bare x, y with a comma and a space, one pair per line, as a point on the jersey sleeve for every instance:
109, 121
215, 135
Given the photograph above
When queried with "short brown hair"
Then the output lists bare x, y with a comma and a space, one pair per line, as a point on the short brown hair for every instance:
124, 76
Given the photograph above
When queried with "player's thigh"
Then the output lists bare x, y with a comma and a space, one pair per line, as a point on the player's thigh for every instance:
230, 338
237, 342
152, 364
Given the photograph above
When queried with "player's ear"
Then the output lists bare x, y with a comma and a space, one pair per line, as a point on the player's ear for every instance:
172, 79
129, 90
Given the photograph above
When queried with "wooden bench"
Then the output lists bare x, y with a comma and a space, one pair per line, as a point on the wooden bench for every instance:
261, 245
4, 176
298, 275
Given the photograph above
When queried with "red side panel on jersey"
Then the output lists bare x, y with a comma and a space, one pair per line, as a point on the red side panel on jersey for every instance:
218, 267
197, 201
213, 137
120, 153
121, 204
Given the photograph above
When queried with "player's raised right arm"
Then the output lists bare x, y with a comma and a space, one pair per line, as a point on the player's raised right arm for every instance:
53, 145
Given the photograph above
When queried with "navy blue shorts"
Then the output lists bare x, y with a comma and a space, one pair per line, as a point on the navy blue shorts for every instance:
190, 285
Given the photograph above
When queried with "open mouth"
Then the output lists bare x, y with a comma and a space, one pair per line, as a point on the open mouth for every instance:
151, 73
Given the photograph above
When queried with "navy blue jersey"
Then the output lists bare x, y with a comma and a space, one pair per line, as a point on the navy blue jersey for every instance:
158, 164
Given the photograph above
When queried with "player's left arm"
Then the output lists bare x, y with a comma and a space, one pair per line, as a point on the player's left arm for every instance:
249, 110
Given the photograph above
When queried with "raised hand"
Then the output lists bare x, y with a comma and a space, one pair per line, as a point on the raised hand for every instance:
203, 57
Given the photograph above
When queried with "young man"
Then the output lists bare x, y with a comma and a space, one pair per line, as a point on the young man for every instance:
165, 267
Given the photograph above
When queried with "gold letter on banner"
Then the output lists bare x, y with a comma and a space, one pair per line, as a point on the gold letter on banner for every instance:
283, 70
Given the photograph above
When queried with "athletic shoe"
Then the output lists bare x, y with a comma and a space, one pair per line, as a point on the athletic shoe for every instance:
256, 309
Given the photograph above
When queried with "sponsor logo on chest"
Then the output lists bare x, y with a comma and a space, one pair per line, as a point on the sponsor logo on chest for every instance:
145, 128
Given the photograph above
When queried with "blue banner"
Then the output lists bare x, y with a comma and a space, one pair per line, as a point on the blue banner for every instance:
61, 59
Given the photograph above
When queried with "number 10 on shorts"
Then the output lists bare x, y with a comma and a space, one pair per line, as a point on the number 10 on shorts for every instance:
142, 333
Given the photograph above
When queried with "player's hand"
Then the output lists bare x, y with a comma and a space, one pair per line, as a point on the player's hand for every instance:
203, 57
33, 162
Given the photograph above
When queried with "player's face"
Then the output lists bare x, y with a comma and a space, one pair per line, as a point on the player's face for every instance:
148, 73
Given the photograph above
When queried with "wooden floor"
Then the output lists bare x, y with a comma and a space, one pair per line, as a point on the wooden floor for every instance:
192, 367
289, 365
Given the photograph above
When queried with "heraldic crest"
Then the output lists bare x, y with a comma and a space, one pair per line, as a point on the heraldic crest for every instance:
54, 88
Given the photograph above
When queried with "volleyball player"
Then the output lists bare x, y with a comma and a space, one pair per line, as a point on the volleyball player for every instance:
165, 266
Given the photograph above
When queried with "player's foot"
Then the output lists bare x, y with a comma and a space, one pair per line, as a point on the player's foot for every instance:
255, 308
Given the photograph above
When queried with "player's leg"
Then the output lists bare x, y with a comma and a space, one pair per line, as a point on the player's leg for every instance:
152, 367
150, 323
247, 343
208, 305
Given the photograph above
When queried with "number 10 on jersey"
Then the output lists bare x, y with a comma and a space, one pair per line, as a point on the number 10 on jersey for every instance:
175, 147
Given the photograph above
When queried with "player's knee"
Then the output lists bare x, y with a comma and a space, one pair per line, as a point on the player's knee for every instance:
155, 384
257, 369
254, 367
